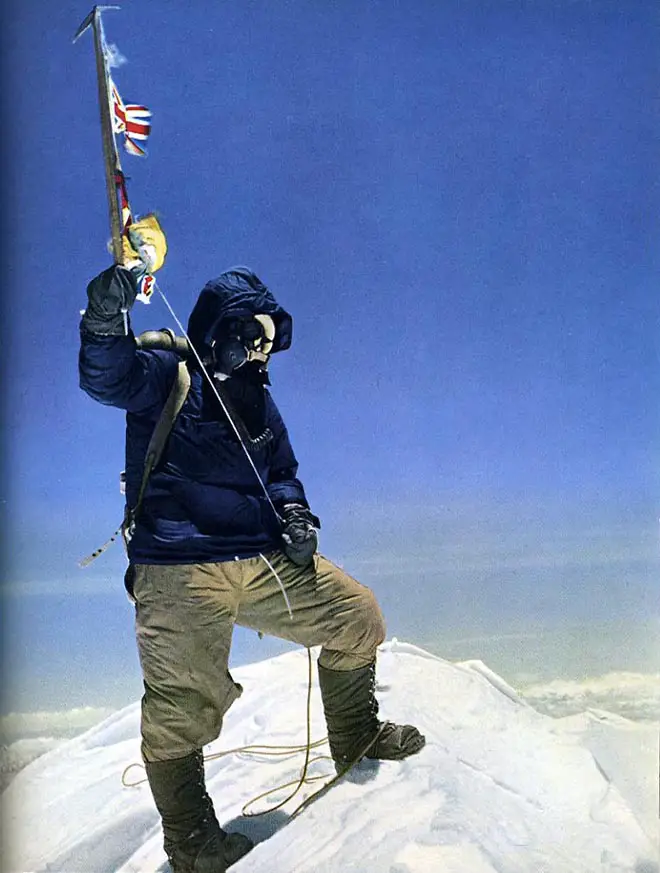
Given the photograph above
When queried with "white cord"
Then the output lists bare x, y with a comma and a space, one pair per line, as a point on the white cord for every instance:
280, 583
222, 404
235, 429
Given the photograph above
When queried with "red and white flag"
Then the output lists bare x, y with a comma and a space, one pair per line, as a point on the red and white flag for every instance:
130, 119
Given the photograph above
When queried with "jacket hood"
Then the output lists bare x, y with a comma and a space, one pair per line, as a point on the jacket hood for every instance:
237, 292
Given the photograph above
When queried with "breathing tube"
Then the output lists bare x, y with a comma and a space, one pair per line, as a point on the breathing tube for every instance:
167, 341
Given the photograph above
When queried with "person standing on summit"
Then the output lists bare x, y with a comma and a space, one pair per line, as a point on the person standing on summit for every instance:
221, 534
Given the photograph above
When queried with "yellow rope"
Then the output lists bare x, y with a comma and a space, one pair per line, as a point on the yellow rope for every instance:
298, 783
270, 751
340, 775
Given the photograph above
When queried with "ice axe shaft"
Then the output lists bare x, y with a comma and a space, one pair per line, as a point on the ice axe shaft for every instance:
110, 158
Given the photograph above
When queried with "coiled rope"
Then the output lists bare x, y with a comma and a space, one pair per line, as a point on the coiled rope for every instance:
272, 751
260, 750
283, 752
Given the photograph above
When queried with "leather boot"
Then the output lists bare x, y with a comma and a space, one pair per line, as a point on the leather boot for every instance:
193, 840
351, 714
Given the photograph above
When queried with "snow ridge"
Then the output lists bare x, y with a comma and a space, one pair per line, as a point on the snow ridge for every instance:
499, 788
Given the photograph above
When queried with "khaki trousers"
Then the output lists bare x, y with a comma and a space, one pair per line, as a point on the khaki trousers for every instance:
185, 615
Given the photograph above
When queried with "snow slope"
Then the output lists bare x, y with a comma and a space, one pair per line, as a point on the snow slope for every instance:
499, 787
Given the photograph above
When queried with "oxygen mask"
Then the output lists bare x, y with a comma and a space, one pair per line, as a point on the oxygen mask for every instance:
240, 341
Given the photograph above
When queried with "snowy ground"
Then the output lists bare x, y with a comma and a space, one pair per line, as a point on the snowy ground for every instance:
499, 788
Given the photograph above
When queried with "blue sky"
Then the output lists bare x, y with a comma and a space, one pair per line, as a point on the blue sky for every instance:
457, 201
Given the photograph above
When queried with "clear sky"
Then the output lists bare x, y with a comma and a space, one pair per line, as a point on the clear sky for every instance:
458, 202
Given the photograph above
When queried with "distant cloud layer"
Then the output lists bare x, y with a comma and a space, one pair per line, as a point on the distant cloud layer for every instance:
58, 725
633, 695
28, 735
19, 754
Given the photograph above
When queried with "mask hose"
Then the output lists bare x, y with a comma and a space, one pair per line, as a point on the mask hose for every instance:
220, 400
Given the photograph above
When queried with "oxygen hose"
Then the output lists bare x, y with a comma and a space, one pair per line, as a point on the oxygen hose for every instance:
166, 340
222, 403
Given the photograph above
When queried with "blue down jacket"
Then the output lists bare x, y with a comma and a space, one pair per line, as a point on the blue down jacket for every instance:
203, 501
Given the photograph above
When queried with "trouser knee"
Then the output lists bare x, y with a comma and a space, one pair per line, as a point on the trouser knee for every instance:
372, 620
173, 727
356, 642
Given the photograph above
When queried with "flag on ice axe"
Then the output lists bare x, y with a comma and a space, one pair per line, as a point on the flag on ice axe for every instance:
133, 241
131, 120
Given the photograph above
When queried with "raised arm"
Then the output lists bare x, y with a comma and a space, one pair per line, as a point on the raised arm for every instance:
112, 369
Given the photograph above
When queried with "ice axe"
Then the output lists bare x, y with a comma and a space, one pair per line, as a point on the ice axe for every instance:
134, 122
110, 156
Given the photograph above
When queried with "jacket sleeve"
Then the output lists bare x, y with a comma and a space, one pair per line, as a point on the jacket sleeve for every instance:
114, 372
283, 486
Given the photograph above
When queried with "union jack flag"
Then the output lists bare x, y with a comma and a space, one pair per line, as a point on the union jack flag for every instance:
130, 119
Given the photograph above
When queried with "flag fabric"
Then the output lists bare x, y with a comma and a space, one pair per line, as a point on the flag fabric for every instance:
134, 122
126, 214
131, 119
147, 285
147, 282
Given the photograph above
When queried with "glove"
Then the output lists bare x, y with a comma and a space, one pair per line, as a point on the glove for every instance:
110, 295
144, 245
298, 533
